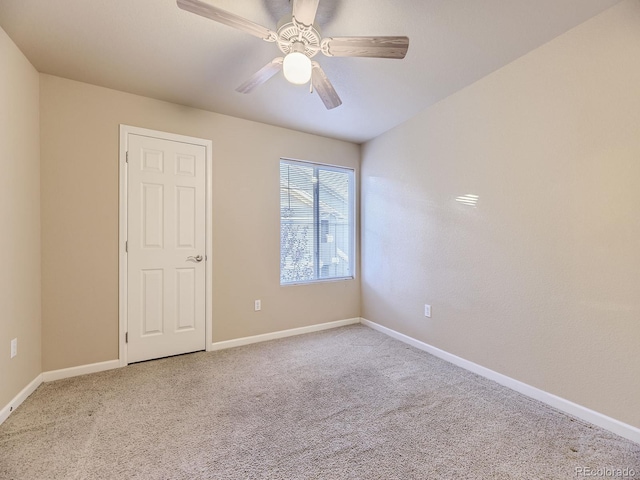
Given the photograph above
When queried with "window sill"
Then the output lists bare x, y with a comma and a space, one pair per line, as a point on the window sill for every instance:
323, 280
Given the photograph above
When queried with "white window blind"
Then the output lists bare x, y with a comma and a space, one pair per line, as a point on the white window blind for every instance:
316, 222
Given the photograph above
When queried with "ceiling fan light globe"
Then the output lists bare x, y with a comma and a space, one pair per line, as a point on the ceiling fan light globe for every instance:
297, 68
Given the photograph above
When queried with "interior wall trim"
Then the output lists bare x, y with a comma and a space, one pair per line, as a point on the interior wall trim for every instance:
608, 423
80, 370
53, 375
9, 408
596, 418
238, 342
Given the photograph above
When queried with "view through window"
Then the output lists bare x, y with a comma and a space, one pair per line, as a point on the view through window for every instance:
316, 222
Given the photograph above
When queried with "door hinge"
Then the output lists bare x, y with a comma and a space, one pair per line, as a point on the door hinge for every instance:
126, 157
126, 337
126, 246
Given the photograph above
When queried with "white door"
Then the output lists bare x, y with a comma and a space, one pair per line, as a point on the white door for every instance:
166, 247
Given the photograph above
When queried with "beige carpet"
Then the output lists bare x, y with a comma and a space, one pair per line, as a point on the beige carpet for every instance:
348, 403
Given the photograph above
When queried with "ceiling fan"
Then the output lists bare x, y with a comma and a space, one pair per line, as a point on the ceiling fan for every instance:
298, 38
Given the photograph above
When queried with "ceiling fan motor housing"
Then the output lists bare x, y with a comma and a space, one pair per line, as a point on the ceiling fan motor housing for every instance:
292, 38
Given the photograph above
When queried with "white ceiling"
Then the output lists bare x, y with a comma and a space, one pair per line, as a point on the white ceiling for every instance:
152, 48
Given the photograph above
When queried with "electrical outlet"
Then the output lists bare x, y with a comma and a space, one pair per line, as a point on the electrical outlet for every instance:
14, 347
258, 305
427, 310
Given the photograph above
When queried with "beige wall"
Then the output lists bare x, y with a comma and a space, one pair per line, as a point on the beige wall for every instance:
80, 220
19, 220
541, 281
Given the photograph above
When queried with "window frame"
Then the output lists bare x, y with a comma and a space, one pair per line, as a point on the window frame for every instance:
352, 221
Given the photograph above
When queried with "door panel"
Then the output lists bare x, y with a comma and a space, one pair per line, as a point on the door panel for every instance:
152, 302
152, 215
166, 247
186, 300
186, 221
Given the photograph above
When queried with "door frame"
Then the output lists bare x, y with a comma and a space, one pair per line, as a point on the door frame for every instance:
123, 298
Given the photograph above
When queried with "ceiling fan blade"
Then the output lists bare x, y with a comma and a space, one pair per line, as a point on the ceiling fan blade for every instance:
261, 76
323, 86
379, 47
222, 16
304, 12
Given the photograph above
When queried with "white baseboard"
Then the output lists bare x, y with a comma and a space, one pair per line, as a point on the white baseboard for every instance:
238, 342
19, 398
52, 375
80, 370
619, 428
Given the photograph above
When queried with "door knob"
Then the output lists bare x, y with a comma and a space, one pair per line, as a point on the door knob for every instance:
197, 259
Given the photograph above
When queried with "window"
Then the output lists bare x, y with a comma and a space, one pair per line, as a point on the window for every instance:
316, 222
